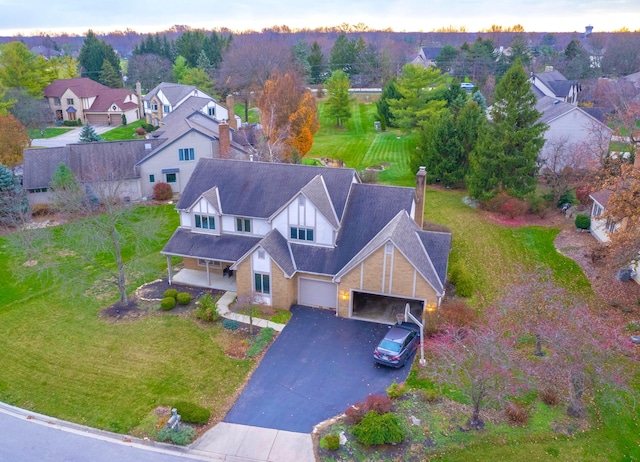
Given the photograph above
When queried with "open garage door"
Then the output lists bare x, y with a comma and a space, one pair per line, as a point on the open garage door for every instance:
314, 292
383, 308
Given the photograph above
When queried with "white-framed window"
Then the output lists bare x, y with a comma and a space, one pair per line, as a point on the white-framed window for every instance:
597, 210
611, 225
301, 234
212, 263
152, 178
186, 154
205, 221
243, 225
212, 111
70, 101
261, 283
166, 109
171, 177
146, 104
56, 101
154, 107
261, 254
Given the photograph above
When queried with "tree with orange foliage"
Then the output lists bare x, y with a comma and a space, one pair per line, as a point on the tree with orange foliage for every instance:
289, 118
13, 140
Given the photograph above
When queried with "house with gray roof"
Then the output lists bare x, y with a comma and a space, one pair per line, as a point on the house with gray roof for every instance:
554, 84
295, 234
166, 97
574, 137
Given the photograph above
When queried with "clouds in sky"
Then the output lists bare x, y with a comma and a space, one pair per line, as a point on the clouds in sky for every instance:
28, 17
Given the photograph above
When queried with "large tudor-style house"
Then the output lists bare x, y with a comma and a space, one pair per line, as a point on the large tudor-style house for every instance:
91, 102
295, 234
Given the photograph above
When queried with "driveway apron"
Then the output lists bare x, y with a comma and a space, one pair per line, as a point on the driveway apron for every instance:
317, 367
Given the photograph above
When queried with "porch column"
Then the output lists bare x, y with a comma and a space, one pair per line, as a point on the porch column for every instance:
208, 274
169, 269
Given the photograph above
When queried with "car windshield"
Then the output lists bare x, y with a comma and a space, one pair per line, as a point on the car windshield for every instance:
390, 345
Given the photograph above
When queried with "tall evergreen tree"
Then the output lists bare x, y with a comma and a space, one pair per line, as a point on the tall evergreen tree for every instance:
93, 54
316, 63
13, 200
506, 155
110, 76
389, 92
344, 55
338, 103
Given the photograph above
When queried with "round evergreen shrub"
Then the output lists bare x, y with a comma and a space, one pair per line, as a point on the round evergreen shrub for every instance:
192, 413
331, 442
171, 293
379, 429
583, 221
230, 324
183, 298
162, 191
168, 303
184, 436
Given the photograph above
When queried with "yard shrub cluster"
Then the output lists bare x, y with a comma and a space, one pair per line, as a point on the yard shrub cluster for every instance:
72, 123
168, 303
459, 277
379, 404
331, 442
162, 191
583, 221
184, 436
507, 205
183, 298
396, 390
140, 131
192, 413
207, 308
379, 429
262, 340
230, 324
170, 293
457, 313
517, 414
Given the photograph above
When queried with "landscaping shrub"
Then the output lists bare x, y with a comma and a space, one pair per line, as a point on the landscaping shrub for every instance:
263, 339
354, 414
162, 191
517, 414
207, 309
331, 442
230, 324
184, 436
148, 127
378, 403
568, 197
183, 298
378, 429
583, 221
582, 194
513, 207
539, 205
192, 413
70, 123
395, 390
549, 396
140, 131
168, 303
170, 293
457, 313
459, 277
429, 395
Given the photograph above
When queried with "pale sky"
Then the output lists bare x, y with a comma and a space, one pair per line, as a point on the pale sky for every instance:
30, 17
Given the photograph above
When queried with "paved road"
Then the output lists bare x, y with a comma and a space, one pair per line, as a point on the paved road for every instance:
318, 366
72, 136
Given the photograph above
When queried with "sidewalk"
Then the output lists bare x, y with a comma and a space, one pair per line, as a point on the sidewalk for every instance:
223, 310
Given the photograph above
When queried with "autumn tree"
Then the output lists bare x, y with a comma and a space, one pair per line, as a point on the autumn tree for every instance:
421, 96
64, 67
289, 117
23, 70
13, 140
505, 158
338, 105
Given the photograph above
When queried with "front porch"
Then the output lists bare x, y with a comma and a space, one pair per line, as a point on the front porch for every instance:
197, 278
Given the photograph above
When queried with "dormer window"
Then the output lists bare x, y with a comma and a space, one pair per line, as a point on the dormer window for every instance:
212, 111
243, 225
301, 234
205, 222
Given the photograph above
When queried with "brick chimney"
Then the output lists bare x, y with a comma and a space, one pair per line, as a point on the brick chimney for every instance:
224, 136
232, 112
421, 186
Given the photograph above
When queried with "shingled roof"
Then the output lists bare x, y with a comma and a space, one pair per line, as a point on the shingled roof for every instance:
174, 92
81, 86
556, 82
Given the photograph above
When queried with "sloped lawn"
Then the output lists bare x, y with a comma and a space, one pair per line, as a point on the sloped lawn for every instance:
61, 359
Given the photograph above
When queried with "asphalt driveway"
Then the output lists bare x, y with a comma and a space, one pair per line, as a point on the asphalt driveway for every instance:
317, 367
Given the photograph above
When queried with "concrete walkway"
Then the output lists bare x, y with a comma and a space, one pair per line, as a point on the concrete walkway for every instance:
72, 136
223, 310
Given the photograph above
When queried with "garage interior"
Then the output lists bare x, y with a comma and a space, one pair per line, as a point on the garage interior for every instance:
383, 308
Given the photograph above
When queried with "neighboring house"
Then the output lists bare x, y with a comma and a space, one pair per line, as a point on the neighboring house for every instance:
426, 57
581, 137
554, 84
296, 234
98, 165
167, 97
600, 227
190, 136
91, 102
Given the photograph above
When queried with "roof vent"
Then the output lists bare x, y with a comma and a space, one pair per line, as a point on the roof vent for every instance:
147, 146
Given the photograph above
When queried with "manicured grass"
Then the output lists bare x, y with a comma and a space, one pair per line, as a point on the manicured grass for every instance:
34, 133
123, 132
62, 359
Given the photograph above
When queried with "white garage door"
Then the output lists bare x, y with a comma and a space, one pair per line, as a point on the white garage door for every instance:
313, 292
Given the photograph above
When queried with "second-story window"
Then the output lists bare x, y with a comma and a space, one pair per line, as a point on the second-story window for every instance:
70, 101
186, 154
166, 109
205, 222
212, 111
56, 101
243, 225
301, 234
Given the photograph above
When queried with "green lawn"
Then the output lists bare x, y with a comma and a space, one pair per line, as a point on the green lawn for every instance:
61, 359
34, 133
123, 132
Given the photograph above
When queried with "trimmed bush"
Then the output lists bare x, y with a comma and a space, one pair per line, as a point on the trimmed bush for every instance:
170, 293
148, 127
230, 324
183, 298
168, 303
162, 191
459, 277
70, 123
184, 436
330, 442
378, 403
140, 131
378, 429
517, 414
192, 413
583, 221
207, 309
395, 390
